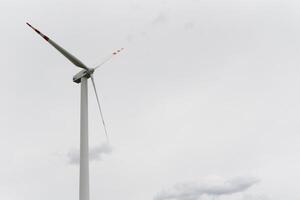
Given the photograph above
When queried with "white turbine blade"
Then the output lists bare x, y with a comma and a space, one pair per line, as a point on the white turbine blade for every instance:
102, 117
109, 58
69, 56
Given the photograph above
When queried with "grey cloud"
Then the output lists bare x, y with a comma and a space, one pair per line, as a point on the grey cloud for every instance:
161, 18
210, 187
95, 153
189, 25
256, 197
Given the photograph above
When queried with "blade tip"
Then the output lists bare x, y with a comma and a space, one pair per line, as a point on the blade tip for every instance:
30, 25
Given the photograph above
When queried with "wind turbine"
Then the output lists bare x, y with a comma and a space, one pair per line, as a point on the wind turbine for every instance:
82, 77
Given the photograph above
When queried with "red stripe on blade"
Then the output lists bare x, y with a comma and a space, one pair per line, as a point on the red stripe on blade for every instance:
46, 38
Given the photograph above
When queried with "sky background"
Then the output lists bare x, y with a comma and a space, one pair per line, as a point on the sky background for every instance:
204, 100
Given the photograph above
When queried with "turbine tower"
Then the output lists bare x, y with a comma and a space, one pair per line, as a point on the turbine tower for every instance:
82, 78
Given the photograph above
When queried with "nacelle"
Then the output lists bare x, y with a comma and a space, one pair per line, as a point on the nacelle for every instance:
81, 74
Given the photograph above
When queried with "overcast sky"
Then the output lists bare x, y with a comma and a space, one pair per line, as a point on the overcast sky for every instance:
203, 104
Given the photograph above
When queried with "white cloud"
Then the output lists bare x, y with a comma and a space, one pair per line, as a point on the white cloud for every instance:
95, 153
215, 186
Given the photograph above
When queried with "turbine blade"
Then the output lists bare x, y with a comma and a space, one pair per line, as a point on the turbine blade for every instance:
109, 57
69, 56
98, 102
